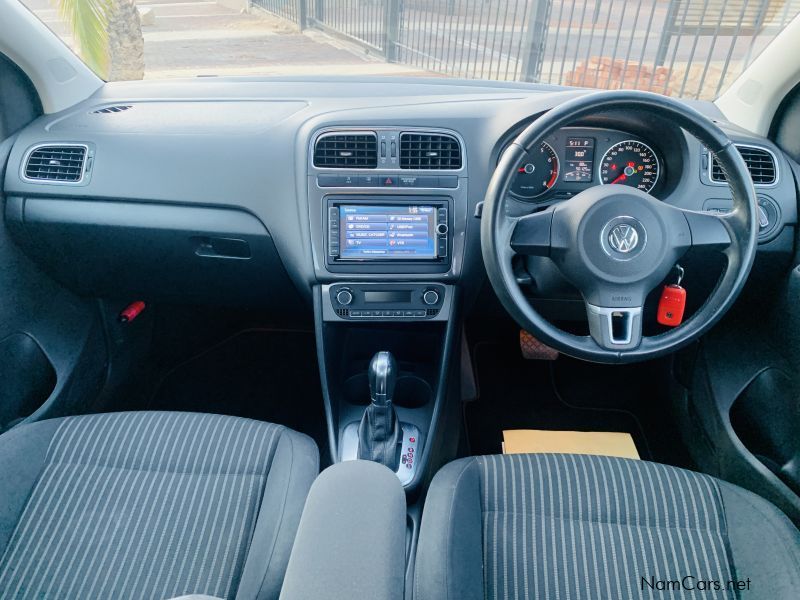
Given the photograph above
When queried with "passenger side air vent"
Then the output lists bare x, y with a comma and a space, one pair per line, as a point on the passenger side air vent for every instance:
112, 109
62, 164
347, 150
760, 163
429, 151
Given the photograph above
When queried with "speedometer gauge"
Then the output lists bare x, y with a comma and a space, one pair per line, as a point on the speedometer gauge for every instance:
630, 163
536, 173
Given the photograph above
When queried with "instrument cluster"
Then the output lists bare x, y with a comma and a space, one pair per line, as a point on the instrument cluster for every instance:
575, 158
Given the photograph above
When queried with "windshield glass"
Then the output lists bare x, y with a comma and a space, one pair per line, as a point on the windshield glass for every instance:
685, 48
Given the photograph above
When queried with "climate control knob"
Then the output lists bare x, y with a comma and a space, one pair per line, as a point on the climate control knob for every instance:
344, 296
430, 297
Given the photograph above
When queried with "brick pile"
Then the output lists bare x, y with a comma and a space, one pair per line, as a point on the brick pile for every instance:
602, 72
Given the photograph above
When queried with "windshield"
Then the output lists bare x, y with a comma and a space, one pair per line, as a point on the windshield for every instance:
684, 48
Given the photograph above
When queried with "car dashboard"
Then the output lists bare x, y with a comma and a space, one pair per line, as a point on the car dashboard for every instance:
227, 190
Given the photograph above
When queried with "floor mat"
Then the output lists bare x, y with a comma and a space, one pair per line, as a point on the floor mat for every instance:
260, 374
521, 394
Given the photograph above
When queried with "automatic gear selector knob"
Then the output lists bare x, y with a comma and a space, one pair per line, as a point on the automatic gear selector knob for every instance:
382, 377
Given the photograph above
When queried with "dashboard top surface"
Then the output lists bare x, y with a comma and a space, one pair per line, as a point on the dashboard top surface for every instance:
244, 144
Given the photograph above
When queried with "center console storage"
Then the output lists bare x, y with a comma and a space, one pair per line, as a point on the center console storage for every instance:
341, 558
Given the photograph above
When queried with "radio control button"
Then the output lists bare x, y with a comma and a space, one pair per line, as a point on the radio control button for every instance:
344, 297
441, 229
430, 297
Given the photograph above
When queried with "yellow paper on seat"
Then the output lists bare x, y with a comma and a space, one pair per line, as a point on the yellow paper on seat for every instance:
600, 443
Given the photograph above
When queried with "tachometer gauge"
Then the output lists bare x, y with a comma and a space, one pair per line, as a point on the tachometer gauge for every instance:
536, 174
630, 163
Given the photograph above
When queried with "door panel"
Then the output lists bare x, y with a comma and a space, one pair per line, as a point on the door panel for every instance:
52, 349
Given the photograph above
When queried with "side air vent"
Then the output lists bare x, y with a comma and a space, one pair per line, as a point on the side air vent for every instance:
760, 163
116, 108
357, 150
429, 151
64, 163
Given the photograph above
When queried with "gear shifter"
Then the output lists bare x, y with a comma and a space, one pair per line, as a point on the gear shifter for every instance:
379, 434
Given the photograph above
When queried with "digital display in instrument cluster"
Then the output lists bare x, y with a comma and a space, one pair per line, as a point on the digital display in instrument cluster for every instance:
579, 159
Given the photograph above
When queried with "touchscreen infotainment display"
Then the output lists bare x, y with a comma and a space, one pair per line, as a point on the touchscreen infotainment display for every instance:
387, 232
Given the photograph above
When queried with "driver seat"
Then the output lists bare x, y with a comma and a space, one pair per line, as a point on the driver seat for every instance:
573, 526
150, 505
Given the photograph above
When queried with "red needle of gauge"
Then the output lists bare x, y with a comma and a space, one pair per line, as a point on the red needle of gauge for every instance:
622, 177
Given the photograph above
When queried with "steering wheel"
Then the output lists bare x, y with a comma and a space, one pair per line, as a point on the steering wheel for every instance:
615, 243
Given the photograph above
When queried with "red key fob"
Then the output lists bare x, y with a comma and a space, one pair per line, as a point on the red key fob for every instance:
672, 305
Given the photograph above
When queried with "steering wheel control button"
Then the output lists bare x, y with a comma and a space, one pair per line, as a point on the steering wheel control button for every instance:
623, 238
430, 297
344, 297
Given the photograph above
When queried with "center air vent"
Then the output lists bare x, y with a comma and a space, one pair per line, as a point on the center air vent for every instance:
760, 163
357, 150
429, 151
64, 163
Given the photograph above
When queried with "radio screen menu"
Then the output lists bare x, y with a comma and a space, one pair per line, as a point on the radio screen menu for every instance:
387, 232
579, 159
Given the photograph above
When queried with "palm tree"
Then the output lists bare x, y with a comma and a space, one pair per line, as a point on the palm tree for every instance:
108, 36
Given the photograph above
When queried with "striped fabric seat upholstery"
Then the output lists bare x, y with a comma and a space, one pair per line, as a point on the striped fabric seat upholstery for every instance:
141, 505
600, 527
557, 526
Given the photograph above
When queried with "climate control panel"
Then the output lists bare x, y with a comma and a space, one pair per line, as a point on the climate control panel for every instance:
386, 302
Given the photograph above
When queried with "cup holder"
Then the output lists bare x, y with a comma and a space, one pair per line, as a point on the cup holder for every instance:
410, 392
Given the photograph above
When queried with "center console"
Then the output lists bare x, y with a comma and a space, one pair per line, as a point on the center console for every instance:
388, 214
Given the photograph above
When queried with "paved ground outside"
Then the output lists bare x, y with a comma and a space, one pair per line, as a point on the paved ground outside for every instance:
200, 37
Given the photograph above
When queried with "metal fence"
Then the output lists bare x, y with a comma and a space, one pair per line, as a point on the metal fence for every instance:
688, 48
291, 10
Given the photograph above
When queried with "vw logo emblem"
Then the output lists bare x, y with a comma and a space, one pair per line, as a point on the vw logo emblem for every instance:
623, 238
